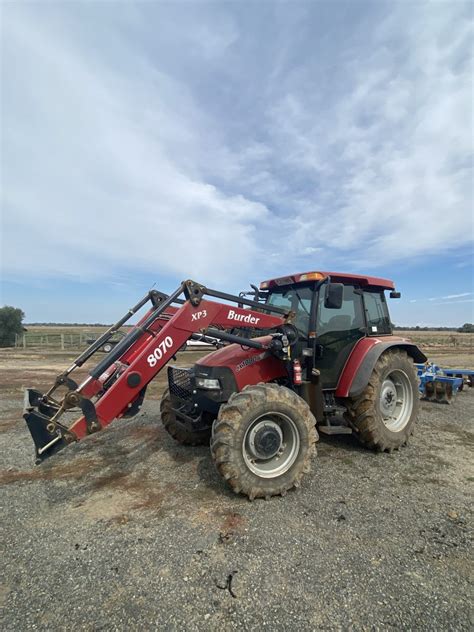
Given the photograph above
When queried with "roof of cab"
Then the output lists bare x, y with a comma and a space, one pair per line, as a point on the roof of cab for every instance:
337, 277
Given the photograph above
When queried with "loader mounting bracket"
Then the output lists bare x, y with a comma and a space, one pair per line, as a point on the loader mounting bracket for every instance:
157, 297
90, 415
194, 292
134, 407
64, 380
73, 399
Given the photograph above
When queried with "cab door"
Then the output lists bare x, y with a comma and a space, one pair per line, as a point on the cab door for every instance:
337, 331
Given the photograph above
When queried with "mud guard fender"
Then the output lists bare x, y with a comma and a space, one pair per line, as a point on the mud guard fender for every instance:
360, 364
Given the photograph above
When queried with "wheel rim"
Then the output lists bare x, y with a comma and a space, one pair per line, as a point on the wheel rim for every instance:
107, 348
396, 400
271, 445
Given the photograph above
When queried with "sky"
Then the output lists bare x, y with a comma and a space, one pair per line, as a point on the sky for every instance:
143, 143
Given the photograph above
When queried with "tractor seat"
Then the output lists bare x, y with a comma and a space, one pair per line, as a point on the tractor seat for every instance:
339, 323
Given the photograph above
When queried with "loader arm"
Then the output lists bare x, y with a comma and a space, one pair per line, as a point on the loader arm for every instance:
121, 377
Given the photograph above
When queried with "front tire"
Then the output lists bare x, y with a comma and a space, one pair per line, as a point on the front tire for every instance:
263, 440
386, 412
177, 428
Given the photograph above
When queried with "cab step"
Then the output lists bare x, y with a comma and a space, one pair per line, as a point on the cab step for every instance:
334, 430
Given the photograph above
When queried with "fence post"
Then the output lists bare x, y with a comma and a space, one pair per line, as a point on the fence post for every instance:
24, 341
62, 342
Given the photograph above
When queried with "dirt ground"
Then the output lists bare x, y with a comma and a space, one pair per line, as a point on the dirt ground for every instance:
129, 530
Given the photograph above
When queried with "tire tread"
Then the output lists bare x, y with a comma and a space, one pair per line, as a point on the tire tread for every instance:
225, 449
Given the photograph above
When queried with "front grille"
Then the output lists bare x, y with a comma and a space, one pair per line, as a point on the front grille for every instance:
179, 381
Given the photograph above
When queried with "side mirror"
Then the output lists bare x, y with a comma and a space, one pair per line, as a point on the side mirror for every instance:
333, 296
395, 294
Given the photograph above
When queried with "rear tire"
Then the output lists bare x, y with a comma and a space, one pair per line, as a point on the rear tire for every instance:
386, 412
178, 429
263, 440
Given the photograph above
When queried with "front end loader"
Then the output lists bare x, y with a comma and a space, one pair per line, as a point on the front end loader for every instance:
116, 386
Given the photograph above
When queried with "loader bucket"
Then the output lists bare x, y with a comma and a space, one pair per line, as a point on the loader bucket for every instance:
37, 416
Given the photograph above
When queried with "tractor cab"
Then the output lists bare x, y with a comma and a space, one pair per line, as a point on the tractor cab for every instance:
341, 324
333, 312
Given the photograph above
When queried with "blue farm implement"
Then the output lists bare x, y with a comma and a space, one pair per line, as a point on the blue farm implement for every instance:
440, 385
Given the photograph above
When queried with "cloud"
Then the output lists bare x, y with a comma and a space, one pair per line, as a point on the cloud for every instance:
449, 296
468, 300
457, 295
389, 165
198, 143
102, 173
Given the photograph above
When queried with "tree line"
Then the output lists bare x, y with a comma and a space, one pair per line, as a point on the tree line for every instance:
467, 328
11, 325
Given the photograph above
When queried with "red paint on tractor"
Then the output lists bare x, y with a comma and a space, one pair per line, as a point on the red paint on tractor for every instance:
336, 277
357, 356
249, 366
149, 354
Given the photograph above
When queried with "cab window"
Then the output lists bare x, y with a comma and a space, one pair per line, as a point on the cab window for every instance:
349, 317
378, 321
297, 299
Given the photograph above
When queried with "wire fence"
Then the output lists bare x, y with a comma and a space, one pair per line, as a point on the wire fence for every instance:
59, 341
64, 341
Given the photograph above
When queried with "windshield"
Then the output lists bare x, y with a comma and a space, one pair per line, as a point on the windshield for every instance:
297, 299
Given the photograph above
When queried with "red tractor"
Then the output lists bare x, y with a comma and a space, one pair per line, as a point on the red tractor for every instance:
312, 351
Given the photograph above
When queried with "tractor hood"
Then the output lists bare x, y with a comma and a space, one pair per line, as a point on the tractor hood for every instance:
249, 366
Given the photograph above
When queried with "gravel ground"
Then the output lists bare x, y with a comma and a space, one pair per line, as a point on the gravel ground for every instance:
128, 530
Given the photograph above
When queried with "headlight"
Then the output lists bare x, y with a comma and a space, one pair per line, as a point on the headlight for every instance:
206, 382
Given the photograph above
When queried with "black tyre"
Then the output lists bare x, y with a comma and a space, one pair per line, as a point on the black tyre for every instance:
179, 430
386, 412
263, 440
